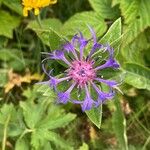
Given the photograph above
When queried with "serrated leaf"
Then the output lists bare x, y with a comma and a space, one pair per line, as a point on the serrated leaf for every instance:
8, 23
95, 115
136, 14
137, 76
119, 125
56, 122
32, 113
58, 141
22, 144
48, 30
105, 8
112, 37
134, 52
40, 136
79, 22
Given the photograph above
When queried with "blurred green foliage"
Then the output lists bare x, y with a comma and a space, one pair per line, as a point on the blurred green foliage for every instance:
29, 115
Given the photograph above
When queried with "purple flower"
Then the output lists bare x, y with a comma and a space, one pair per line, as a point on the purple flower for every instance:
82, 72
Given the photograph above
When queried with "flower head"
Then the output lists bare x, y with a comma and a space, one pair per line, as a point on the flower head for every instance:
82, 72
36, 5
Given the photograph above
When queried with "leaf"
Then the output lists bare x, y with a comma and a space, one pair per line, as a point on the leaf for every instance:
57, 122
48, 30
14, 5
119, 125
33, 113
137, 76
79, 22
104, 7
136, 15
40, 136
3, 77
45, 90
95, 115
5, 111
58, 141
13, 57
112, 37
22, 144
8, 23
134, 52
84, 147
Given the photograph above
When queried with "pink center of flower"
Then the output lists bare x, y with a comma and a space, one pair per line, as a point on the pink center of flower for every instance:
82, 72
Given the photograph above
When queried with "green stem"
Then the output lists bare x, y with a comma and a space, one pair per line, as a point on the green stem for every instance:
5, 133
38, 19
146, 143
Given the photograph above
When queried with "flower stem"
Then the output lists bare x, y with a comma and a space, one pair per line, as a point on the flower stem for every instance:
5, 133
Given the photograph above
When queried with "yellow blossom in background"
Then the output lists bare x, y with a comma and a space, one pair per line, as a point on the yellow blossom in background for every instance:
15, 79
36, 5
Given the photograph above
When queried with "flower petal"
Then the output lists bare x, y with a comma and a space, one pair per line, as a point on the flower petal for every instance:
102, 96
63, 97
88, 101
59, 55
110, 83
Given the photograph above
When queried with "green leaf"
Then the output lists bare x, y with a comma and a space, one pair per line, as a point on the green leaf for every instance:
14, 5
104, 7
58, 141
22, 144
137, 76
13, 57
84, 147
56, 122
40, 136
136, 15
79, 22
95, 115
112, 37
48, 30
46, 90
32, 113
134, 52
5, 111
119, 125
3, 77
8, 23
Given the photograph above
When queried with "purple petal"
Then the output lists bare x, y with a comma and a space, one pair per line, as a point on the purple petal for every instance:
59, 55
82, 42
95, 47
88, 101
69, 47
52, 80
93, 34
110, 63
63, 97
110, 83
102, 96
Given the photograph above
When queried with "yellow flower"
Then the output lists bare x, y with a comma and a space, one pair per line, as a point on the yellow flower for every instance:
36, 5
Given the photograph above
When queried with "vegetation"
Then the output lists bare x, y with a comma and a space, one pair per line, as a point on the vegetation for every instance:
30, 117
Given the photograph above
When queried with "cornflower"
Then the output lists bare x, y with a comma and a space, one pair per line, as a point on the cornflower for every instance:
36, 5
82, 72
